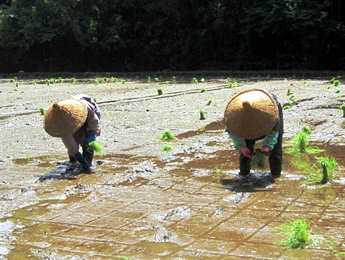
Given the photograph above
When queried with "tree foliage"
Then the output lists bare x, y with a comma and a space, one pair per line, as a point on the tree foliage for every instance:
138, 35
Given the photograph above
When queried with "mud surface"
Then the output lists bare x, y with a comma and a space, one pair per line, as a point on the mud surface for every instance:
144, 203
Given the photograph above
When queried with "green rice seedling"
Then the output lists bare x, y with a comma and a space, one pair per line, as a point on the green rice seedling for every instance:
231, 83
202, 80
73, 80
289, 92
159, 91
96, 81
166, 136
329, 87
60, 80
258, 160
166, 148
286, 107
28, 158
202, 114
306, 129
148, 79
342, 107
203, 90
301, 142
328, 165
219, 171
15, 78
11, 80
156, 79
167, 82
195, 81
338, 91
34, 83
209, 102
52, 80
95, 146
41, 109
173, 80
123, 81
114, 79
297, 234
17, 84
105, 79
292, 98
47, 81
336, 252
305, 82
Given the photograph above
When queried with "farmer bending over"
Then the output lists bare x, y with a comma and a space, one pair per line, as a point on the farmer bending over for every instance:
252, 115
77, 121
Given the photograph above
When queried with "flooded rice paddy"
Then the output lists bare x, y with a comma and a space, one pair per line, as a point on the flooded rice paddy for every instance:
187, 203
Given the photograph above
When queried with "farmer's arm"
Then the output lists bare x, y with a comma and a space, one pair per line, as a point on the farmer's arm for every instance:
271, 138
238, 142
93, 122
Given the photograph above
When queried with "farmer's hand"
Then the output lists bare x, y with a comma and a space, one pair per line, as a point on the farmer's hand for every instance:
91, 137
246, 152
265, 149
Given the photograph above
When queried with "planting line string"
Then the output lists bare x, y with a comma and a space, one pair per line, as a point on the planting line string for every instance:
173, 94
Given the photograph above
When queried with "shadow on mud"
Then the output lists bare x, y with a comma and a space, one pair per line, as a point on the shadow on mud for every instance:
65, 171
252, 183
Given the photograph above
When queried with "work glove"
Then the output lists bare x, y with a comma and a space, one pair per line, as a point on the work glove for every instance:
91, 136
84, 164
265, 149
246, 152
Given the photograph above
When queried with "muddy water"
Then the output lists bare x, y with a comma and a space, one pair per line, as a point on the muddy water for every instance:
177, 208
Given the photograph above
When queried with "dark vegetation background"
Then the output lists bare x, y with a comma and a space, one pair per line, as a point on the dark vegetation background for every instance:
171, 35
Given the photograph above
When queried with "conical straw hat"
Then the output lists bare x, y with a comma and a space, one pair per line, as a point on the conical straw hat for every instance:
65, 117
251, 114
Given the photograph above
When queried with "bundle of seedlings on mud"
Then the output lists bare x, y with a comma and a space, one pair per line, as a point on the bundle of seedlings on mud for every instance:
166, 148
300, 143
195, 81
209, 102
95, 146
322, 171
41, 109
342, 107
336, 81
258, 160
203, 90
159, 91
202, 114
166, 136
296, 233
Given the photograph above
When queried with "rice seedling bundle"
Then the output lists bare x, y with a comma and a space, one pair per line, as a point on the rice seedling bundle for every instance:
95, 146
258, 160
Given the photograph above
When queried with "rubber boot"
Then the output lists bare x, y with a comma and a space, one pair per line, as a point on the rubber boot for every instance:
88, 154
84, 164
72, 159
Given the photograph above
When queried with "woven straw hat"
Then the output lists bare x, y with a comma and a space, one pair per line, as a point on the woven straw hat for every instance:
65, 117
251, 113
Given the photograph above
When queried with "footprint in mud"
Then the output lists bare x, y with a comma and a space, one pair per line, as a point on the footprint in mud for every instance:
251, 183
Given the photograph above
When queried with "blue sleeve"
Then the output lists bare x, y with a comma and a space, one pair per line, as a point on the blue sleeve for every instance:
238, 142
271, 138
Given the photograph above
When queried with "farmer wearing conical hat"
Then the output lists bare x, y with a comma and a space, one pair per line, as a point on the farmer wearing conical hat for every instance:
77, 121
252, 115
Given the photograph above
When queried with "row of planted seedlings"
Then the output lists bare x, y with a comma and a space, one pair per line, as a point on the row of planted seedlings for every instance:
167, 135
317, 170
